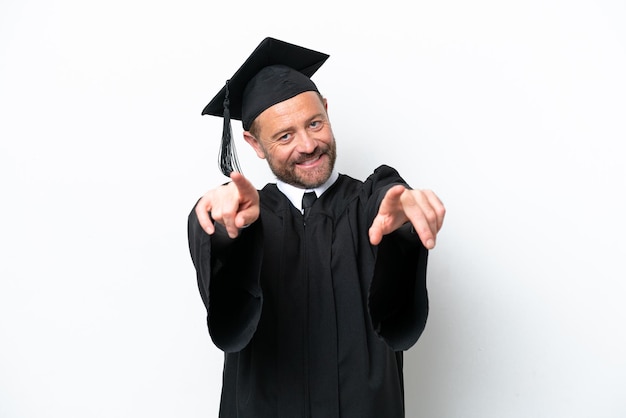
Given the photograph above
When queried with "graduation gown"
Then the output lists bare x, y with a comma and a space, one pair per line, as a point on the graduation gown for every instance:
311, 317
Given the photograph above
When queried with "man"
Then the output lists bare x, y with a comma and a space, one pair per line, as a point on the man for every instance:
312, 303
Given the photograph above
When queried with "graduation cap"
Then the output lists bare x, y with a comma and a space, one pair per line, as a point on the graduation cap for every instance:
274, 72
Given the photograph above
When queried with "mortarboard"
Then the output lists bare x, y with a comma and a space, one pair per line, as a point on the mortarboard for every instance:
274, 72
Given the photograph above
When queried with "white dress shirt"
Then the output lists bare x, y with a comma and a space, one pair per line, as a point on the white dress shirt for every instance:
294, 194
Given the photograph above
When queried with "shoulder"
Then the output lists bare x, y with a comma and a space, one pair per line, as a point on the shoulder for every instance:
270, 196
382, 178
274, 203
384, 172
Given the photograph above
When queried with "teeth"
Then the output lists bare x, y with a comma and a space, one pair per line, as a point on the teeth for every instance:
309, 162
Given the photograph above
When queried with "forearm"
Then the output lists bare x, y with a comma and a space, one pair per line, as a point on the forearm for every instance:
398, 298
228, 281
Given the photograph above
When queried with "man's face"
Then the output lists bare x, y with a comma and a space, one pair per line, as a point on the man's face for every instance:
297, 141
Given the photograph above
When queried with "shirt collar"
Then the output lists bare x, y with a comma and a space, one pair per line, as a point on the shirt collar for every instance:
294, 194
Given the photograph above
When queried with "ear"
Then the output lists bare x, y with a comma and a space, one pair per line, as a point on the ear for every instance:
255, 144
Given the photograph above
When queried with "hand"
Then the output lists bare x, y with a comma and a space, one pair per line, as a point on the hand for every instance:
234, 205
421, 207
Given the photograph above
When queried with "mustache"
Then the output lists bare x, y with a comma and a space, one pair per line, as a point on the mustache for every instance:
307, 157
317, 152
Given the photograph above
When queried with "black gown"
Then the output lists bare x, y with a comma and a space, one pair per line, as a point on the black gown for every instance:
312, 318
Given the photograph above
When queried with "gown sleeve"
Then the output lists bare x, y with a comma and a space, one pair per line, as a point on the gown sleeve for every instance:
398, 298
228, 274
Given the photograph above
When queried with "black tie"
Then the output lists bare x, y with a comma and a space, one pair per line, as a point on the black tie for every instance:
307, 201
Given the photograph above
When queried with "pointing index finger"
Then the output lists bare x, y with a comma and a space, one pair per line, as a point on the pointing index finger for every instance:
243, 184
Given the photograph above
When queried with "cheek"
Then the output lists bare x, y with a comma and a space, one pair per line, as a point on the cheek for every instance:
279, 153
327, 136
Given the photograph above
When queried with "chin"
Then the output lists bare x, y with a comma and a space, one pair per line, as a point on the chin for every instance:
316, 178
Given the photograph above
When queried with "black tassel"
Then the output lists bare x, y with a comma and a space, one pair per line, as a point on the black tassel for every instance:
228, 155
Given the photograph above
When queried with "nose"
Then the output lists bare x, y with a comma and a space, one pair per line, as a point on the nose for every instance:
306, 143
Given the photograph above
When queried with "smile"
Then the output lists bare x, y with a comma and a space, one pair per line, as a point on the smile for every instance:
310, 162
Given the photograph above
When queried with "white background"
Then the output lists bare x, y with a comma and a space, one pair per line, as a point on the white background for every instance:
513, 112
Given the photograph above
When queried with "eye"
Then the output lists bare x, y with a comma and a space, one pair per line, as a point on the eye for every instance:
316, 125
285, 137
